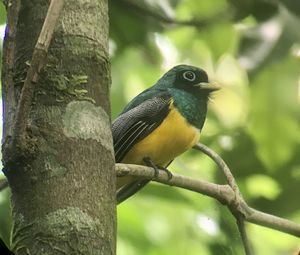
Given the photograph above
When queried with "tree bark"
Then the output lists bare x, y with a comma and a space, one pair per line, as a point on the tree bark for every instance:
62, 178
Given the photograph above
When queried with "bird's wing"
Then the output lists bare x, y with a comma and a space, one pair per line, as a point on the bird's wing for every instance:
135, 124
131, 127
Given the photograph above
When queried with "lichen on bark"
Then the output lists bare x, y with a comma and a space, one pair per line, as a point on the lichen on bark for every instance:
51, 233
86, 121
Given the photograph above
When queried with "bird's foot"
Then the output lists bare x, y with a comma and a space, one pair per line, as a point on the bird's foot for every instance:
170, 175
150, 163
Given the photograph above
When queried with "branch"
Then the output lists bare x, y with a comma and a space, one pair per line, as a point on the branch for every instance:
143, 10
36, 64
222, 193
238, 197
242, 229
13, 8
220, 163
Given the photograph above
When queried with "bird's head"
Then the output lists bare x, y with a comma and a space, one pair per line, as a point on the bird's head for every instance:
189, 78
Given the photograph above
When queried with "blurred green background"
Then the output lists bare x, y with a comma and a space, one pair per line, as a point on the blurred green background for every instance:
252, 48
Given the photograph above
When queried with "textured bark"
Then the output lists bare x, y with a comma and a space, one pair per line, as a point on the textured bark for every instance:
63, 181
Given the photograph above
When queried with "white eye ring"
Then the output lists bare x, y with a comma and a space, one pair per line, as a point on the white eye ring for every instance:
189, 75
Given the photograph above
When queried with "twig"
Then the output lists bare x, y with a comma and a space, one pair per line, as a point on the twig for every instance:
242, 229
36, 64
222, 193
166, 19
220, 163
13, 8
271, 221
238, 197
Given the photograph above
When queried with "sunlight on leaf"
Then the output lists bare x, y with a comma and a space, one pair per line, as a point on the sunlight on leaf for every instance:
262, 186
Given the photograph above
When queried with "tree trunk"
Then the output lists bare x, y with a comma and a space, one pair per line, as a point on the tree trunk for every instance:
63, 179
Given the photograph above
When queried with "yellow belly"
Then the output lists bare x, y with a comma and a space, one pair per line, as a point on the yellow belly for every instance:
170, 139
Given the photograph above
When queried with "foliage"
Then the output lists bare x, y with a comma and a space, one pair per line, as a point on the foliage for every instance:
252, 48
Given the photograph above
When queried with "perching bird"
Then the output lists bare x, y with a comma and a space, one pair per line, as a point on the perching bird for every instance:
161, 123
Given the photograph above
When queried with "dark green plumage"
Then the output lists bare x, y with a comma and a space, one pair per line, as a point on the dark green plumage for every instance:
192, 107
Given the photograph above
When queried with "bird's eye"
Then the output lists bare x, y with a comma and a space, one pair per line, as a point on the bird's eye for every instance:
189, 75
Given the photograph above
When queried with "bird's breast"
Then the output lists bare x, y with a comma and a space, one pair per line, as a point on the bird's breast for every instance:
170, 139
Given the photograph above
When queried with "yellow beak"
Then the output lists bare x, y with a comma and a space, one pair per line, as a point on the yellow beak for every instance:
210, 86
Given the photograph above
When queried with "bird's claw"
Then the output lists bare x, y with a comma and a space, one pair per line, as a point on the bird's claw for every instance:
150, 163
170, 175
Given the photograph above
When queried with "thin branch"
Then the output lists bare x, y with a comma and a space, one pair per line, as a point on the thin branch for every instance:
146, 11
36, 64
222, 193
242, 229
238, 196
13, 9
220, 163
271, 221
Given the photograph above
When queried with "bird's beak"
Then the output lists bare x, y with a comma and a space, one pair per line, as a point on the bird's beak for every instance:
209, 86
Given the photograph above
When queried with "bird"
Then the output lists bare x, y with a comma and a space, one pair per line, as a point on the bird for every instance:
161, 123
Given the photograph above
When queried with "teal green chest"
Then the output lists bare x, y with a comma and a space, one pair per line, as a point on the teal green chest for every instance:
193, 108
